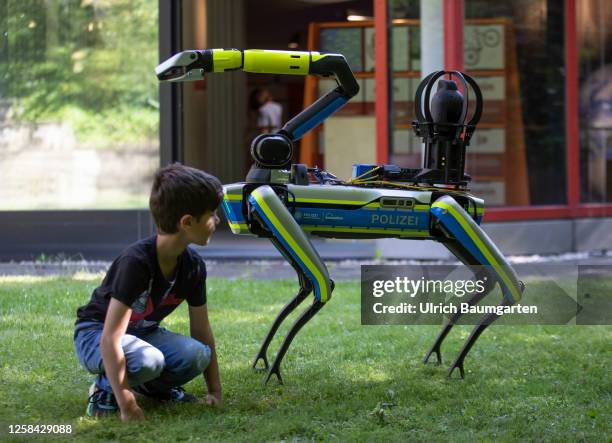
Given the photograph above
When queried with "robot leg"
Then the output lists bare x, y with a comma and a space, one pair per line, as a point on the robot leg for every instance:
481, 274
456, 223
305, 289
294, 244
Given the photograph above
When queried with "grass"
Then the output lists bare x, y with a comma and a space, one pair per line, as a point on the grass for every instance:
343, 381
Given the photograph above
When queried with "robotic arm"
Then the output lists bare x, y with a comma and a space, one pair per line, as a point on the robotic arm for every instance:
281, 205
194, 64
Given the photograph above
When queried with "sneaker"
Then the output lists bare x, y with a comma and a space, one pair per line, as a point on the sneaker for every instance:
101, 403
179, 395
174, 395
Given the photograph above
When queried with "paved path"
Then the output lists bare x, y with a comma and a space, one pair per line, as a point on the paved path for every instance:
233, 268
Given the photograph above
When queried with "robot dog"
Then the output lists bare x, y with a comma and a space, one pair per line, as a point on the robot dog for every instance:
283, 201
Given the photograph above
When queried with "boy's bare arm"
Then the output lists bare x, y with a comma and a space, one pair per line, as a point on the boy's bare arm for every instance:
115, 325
201, 331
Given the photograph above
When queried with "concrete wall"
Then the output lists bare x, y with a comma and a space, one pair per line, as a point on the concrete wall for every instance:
593, 234
70, 235
100, 235
44, 166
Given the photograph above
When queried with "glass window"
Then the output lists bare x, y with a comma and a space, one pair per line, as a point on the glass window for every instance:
595, 71
405, 61
356, 120
79, 110
515, 52
349, 40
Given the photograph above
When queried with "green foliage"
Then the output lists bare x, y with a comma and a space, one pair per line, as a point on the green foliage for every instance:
343, 381
113, 126
86, 63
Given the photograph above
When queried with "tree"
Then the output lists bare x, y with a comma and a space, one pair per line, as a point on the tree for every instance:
87, 63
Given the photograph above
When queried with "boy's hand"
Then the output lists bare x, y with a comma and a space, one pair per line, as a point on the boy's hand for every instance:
214, 399
132, 412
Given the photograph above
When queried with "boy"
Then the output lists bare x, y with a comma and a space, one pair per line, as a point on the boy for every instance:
117, 334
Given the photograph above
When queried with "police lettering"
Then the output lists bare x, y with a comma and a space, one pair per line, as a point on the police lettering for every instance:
404, 220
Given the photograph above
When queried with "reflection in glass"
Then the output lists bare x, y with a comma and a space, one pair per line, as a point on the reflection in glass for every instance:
515, 52
346, 41
595, 70
79, 111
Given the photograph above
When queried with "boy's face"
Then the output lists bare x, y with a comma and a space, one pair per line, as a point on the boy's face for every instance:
202, 228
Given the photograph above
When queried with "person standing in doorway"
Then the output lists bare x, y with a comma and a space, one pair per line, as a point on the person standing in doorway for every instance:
269, 112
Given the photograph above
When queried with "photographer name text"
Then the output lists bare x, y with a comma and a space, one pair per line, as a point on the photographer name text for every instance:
441, 308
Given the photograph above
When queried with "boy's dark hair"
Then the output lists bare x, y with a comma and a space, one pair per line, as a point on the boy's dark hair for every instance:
179, 190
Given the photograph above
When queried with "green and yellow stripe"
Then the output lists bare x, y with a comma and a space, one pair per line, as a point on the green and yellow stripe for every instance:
516, 295
293, 245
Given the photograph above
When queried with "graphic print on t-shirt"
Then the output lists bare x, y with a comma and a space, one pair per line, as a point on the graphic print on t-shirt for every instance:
135, 280
142, 307
143, 304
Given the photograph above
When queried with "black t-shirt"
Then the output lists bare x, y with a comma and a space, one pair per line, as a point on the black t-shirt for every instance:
136, 280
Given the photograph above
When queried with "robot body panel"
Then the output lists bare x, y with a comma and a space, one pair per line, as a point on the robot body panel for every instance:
326, 210
232, 207
276, 62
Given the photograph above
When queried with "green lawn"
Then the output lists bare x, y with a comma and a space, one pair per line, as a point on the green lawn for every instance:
343, 381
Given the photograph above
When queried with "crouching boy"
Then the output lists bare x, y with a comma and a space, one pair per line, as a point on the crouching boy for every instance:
118, 335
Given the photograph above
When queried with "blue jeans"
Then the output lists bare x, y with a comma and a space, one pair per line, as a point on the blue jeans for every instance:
161, 359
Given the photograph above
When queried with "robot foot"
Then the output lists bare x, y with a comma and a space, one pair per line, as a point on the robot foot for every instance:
435, 348
264, 358
295, 328
479, 329
305, 289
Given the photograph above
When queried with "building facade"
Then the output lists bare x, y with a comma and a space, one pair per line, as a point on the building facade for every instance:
84, 122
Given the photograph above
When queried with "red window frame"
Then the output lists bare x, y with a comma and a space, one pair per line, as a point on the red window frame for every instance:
453, 59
